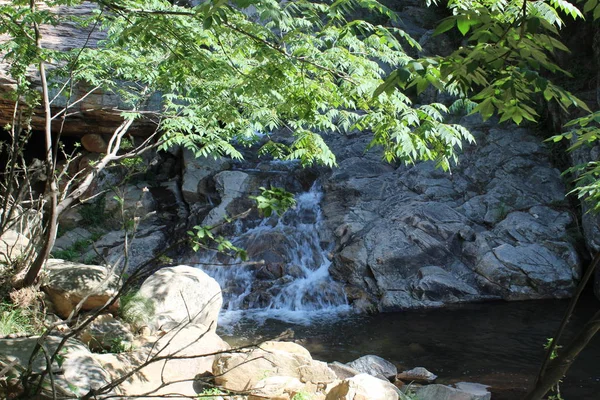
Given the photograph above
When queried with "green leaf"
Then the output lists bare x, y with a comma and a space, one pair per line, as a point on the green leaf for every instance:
464, 24
590, 5
445, 26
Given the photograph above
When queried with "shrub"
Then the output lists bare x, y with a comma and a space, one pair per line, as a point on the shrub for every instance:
14, 320
136, 309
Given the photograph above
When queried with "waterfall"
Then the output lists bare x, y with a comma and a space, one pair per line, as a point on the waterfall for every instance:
293, 283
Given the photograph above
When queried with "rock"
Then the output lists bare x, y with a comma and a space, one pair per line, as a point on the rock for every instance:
316, 372
363, 387
68, 283
70, 219
76, 359
197, 176
342, 371
70, 238
490, 230
187, 343
107, 333
12, 245
231, 185
146, 244
183, 293
137, 201
94, 143
375, 366
463, 391
100, 111
241, 371
418, 374
276, 388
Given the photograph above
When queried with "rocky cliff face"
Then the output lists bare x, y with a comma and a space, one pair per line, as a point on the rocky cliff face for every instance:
411, 237
97, 112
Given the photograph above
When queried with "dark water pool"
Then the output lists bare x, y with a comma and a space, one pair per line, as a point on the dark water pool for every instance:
498, 344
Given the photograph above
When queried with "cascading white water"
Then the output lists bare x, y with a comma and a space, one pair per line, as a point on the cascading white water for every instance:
303, 291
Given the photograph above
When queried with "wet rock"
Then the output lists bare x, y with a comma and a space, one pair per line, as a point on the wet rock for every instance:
418, 374
375, 366
463, 391
181, 294
68, 283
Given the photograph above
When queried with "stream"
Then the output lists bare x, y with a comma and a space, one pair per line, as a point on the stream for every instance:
499, 344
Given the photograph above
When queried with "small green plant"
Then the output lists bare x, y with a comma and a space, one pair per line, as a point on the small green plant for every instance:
211, 392
549, 342
73, 252
203, 238
136, 309
118, 345
92, 214
302, 396
275, 200
14, 320
556, 388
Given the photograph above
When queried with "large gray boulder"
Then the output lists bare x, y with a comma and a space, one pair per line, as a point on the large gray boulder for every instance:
182, 294
496, 227
148, 241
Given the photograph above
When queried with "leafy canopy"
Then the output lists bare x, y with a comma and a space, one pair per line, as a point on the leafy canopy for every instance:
227, 74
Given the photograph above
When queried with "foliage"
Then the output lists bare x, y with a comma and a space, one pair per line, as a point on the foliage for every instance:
15, 320
302, 396
211, 392
136, 309
73, 252
274, 200
92, 213
202, 237
556, 388
503, 65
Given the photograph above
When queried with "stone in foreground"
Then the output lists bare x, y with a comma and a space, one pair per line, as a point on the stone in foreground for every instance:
181, 294
375, 366
69, 283
463, 391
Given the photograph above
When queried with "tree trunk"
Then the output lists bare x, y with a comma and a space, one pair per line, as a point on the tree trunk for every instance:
51, 189
558, 367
